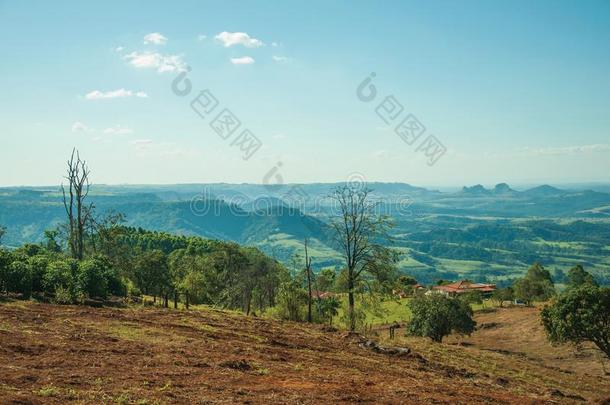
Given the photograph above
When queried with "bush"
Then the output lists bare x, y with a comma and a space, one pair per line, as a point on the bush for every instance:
580, 314
38, 265
503, 294
116, 285
436, 316
131, 289
62, 296
291, 302
17, 278
327, 308
60, 274
6, 258
472, 297
92, 278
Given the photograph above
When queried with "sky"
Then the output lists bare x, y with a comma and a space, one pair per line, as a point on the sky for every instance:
490, 92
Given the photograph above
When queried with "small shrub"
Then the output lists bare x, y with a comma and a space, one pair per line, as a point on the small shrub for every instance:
60, 273
91, 278
63, 296
48, 391
17, 278
436, 316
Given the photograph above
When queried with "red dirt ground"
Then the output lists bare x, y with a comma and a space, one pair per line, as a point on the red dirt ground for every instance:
70, 354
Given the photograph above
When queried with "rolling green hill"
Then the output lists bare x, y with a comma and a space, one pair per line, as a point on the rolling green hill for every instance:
483, 234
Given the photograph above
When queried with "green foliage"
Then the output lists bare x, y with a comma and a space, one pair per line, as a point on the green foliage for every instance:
63, 296
60, 274
327, 309
38, 267
503, 294
471, 297
578, 315
194, 283
406, 281
537, 285
6, 259
52, 243
17, 278
291, 301
150, 272
356, 320
2, 233
436, 316
325, 279
577, 276
91, 279
28, 250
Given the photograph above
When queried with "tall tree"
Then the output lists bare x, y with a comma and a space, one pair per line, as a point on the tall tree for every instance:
578, 276
358, 230
2, 233
580, 314
151, 272
537, 285
79, 214
308, 270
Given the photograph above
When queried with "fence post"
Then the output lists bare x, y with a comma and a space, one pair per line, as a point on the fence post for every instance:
187, 299
175, 299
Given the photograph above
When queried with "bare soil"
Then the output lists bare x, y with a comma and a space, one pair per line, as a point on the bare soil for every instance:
72, 354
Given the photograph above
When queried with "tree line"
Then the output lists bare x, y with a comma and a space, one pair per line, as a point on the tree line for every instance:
92, 256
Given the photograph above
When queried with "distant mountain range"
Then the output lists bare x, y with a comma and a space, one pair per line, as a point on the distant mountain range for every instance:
439, 232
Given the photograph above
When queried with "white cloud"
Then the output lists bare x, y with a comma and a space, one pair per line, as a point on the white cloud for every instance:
150, 148
142, 144
155, 38
238, 38
279, 136
79, 127
154, 60
280, 59
381, 154
566, 150
119, 93
119, 49
244, 60
201, 37
118, 130
275, 44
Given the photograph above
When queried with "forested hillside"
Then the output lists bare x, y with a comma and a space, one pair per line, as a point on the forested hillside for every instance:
483, 234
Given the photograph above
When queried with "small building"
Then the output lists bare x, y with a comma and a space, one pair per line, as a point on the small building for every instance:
462, 287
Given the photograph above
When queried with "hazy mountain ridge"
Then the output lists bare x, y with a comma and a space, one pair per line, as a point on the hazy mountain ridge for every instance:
483, 233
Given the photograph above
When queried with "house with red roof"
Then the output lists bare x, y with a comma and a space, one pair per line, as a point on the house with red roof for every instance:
464, 286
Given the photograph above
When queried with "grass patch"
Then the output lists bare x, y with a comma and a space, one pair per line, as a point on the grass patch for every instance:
47, 391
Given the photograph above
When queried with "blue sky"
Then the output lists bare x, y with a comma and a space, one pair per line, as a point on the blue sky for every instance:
514, 91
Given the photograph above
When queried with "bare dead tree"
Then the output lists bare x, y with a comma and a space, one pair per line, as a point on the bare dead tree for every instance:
358, 230
78, 212
308, 270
